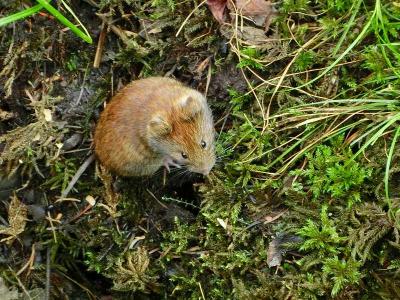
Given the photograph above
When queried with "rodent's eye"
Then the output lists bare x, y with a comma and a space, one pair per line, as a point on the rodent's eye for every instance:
184, 155
203, 144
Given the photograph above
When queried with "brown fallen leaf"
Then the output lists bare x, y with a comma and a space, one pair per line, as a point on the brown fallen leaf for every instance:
254, 7
217, 8
6, 292
261, 11
274, 255
249, 35
17, 216
278, 247
5, 115
202, 66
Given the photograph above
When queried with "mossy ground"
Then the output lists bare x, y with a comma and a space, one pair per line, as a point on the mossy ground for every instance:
302, 204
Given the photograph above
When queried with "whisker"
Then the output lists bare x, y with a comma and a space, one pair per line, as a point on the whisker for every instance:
177, 173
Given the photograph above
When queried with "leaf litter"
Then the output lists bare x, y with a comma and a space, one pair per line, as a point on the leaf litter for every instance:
260, 12
17, 217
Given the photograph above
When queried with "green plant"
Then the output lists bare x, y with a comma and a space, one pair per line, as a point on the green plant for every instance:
331, 171
249, 58
341, 272
45, 4
179, 238
162, 3
63, 172
304, 61
323, 238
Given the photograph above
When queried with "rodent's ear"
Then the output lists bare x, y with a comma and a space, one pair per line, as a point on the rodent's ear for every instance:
158, 126
190, 106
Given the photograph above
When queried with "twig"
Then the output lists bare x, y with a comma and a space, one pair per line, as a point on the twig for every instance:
50, 219
77, 175
29, 263
201, 291
21, 284
208, 79
118, 31
100, 46
155, 198
83, 86
48, 284
188, 17
88, 292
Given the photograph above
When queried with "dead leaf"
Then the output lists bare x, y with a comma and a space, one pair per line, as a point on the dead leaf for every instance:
274, 255
248, 34
90, 199
254, 7
8, 293
278, 247
269, 219
17, 216
47, 115
5, 115
217, 8
222, 223
261, 11
203, 65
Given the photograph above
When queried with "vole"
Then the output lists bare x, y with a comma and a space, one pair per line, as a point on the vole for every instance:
155, 122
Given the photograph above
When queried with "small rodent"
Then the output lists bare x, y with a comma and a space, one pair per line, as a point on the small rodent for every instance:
155, 122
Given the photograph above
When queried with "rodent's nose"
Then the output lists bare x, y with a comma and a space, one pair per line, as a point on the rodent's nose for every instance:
206, 171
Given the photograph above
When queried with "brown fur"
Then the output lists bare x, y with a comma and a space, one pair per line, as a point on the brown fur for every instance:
151, 119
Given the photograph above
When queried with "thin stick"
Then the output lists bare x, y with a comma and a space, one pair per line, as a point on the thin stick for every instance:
83, 86
118, 31
100, 46
48, 284
201, 291
29, 263
188, 17
21, 284
208, 79
77, 175
155, 198
50, 219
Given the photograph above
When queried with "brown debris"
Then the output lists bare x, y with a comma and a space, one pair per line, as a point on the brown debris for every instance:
259, 11
5, 115
274, 256
17, 216
217, 8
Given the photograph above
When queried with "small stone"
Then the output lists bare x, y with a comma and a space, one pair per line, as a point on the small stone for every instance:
72, 141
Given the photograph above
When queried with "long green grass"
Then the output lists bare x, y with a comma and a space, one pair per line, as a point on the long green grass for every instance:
370, 113
57, 14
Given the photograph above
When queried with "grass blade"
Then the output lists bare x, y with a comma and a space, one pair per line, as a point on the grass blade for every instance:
374, 138
65, 21
348, 49
75, 17
20, 15
355, 8
301, 140
389, 161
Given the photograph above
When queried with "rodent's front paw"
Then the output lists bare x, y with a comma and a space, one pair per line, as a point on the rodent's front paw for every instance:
169, 162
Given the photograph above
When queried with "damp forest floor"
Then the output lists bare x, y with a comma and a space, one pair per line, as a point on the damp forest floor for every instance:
304, 201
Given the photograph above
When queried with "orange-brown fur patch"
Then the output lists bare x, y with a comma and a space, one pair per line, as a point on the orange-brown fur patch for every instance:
185, 131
